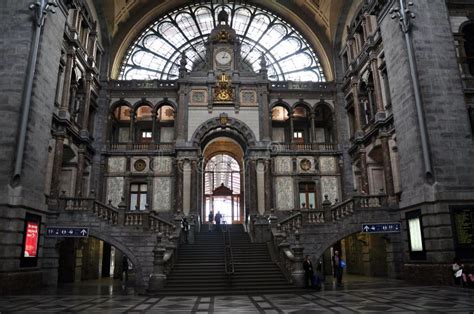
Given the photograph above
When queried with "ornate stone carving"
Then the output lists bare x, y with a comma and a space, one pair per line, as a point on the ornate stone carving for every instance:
198, 97
223, 91
283, 165
248, 97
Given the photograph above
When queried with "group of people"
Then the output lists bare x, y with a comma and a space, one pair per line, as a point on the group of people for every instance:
217, 218
312, 280
462, 276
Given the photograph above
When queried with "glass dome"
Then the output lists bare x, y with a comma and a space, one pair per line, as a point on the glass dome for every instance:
157, 51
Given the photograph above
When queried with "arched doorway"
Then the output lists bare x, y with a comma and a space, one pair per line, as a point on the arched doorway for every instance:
223, 178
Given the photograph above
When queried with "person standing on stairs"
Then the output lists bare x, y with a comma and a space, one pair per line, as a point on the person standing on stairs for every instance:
308, 272
211, 219
185, 228
218, 221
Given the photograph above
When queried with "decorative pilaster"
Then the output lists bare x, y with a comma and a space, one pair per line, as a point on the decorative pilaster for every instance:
380, 114
57, 164
87, 105
80, 171
387, 166
363, 172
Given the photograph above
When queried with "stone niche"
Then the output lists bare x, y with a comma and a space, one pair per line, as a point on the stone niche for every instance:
282, 165
117, 164
162, 194
330, 186
115, 190
284, 193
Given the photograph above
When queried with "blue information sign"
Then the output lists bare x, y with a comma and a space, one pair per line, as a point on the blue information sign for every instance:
67, 232
381, 228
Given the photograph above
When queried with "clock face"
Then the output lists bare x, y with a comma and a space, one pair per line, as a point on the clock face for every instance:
223, 57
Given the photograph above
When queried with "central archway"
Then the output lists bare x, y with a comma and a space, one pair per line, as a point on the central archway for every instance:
223, 179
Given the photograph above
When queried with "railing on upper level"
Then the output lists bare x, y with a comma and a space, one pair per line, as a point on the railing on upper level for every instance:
144, 219
299, 217
322, 147
161, 147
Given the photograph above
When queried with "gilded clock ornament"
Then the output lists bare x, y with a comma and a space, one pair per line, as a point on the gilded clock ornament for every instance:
223, 57
223, 91
139, 165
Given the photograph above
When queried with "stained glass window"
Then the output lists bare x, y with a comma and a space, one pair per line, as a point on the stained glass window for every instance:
157, 52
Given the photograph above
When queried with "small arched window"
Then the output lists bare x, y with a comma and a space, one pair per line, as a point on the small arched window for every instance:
280, 124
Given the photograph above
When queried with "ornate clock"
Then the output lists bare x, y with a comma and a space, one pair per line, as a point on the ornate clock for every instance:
223, 57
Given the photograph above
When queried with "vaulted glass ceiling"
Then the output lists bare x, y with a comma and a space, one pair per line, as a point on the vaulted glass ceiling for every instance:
157, 52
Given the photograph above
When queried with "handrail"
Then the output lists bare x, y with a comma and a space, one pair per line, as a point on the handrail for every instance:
228, 256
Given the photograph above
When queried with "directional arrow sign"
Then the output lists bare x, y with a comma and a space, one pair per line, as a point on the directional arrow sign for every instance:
67, 232
382, 227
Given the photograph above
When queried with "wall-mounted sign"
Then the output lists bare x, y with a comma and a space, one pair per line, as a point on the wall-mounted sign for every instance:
31, 242
67, 232
381, 228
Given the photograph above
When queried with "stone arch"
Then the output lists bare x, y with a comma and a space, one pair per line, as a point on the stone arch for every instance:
124, 249
224, 126
164, 102
142, 102
283, 104
120, 103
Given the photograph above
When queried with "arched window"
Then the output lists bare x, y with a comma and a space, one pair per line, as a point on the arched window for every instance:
120, 128
144, 124
301, 125
280, 124
165, 124
156, 52
468, 31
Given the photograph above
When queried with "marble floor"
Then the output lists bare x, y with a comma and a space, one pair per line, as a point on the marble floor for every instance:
358, 295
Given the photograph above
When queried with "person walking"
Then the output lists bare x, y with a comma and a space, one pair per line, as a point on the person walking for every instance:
218, 221
308, 272
338, 268
185, 228
211, 219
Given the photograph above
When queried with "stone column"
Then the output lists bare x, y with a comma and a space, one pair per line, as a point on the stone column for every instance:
87, 105
356, 104
291, 127
179, 185
268, 185
131, 134
387, 166
180, 119
186, 187
80, 171
252, 188
261, 186
380, 114
363, 171
265, 109
194, 188
312, 132
57, 164
65, 98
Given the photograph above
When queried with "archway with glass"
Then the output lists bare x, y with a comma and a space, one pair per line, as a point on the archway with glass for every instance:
222, 188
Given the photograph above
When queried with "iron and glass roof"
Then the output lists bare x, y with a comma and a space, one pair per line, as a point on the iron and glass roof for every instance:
157, 52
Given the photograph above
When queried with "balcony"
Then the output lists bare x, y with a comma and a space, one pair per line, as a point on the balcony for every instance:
141, 147
305, 147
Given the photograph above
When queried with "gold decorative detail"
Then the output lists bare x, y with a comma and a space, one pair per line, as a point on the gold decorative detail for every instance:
139, 165
223, 91
223, 119
223, 36
305, 164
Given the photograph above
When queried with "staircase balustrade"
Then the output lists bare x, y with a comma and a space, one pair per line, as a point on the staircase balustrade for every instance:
285, 257
106, 212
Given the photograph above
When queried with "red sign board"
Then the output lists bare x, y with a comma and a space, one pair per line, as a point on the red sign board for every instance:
31, 243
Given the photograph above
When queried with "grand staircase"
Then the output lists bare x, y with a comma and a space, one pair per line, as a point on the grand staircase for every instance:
200, 269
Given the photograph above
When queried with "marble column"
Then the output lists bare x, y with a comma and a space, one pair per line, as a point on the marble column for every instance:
131, 135
252, 188
291, 127
356, 104
186, 187
179, 185
87, 105
57, 164
387, 165
268, 185
363, 172
265, 109
180, 118
261, 186
80, 171
65, 98
380, 114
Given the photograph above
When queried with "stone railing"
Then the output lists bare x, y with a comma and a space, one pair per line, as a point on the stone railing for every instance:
143, 219
288, 257
161, 147
348, 207
322, 147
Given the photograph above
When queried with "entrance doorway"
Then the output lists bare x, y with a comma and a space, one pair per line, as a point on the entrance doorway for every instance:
223, 178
